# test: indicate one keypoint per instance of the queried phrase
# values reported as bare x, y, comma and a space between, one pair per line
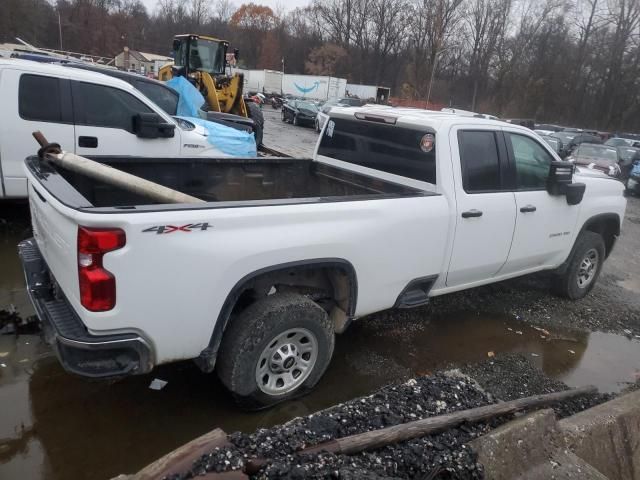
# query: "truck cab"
88, 113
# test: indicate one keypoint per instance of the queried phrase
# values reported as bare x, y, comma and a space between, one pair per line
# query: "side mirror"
151, 125
560, 175
236, 53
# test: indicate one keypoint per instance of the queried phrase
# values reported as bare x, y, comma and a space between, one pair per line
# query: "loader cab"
197, 53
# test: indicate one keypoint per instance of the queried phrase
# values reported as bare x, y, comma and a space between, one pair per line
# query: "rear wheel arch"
300, 276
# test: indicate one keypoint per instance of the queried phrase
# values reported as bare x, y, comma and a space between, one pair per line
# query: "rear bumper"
79, 352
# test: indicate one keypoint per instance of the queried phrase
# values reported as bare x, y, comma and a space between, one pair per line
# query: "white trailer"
366, 92
315, 87
272, 82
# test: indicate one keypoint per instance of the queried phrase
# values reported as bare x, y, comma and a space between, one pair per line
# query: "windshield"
204, 55
564, 136
307, 106
589, 150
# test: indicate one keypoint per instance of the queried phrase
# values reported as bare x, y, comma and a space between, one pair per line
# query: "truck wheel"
275, 350
255, 114
584, 267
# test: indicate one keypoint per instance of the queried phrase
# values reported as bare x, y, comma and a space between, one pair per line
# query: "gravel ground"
442, 456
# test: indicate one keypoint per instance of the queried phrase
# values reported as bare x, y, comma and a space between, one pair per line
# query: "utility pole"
282, 79
60, 29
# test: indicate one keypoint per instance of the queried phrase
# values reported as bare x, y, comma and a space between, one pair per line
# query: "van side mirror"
151, 125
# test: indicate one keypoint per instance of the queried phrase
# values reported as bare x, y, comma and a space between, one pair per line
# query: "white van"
87, 113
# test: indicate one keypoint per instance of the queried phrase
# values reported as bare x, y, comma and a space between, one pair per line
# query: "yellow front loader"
203, 60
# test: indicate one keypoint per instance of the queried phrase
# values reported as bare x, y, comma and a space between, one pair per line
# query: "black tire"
284, 116
296, 122
571, 284
251, 337
255, 114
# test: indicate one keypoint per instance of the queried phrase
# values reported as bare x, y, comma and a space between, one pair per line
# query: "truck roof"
419, 117
61, 71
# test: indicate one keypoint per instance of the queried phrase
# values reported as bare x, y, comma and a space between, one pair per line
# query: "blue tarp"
231, 141
228, 140
190, 99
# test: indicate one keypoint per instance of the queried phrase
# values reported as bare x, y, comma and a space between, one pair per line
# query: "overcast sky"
288, 4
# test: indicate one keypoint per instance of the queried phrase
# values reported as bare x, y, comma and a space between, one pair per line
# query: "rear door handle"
88, 142
528, 209
472, 214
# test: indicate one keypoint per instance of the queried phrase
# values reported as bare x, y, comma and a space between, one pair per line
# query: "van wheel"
275, 350
584, 267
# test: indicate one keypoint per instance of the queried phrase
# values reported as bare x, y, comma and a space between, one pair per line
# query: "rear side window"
480, 161
39, 98
388, 148
101, 106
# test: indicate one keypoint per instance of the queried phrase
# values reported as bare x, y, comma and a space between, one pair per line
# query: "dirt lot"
58, 426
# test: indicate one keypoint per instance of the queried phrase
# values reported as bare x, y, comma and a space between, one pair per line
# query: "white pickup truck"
396, 206
89, 113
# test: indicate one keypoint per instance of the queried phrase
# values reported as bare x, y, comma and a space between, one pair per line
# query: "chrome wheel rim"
588, 268
287, 361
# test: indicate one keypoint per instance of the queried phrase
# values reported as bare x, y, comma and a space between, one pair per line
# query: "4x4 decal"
190, 227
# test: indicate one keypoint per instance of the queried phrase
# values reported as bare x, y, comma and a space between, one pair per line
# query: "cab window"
480, 161
532, 162
100, 106
39, 98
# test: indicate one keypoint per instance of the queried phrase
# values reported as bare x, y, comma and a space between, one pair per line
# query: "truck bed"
220, 181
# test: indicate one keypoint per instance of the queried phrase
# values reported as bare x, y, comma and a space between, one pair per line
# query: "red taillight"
97, 285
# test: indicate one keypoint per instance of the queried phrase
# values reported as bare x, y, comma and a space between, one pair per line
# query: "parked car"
628, 157
565, 138
618, 142
323, 112
88, 113
553, 142
525, 122
299, 112
547, 127
597, 157
583, 138
394, 208
633, 182
622, 142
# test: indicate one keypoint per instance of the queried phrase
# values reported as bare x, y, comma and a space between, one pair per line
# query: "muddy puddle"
58, 426
54, 425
